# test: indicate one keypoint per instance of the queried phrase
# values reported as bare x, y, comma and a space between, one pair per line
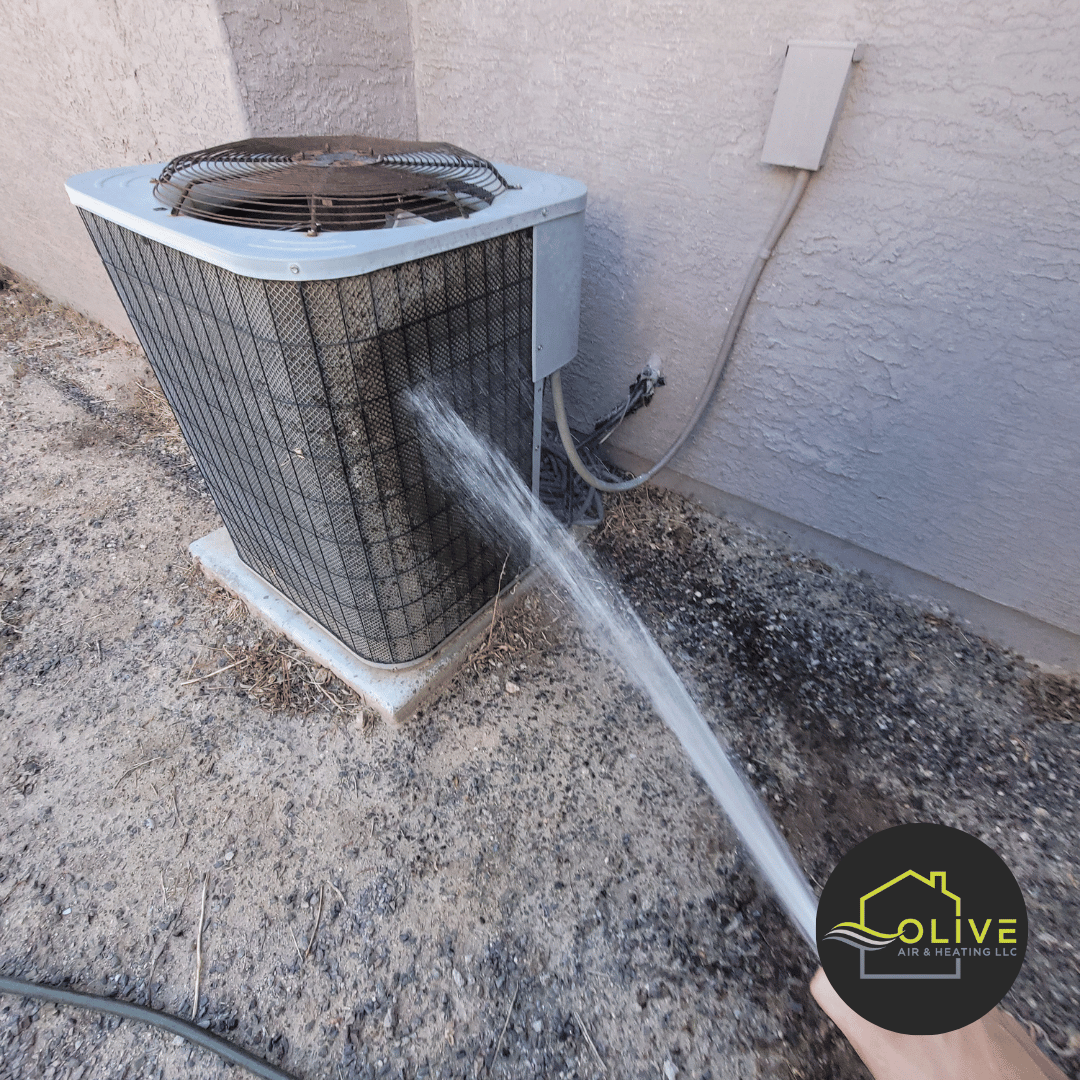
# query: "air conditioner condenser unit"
289, 294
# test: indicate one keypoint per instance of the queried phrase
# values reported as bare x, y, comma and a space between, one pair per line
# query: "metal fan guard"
335, 183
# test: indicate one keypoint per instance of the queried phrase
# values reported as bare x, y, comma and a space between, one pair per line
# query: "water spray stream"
493, 491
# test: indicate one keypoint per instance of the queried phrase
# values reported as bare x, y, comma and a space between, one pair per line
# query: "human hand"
993, 1048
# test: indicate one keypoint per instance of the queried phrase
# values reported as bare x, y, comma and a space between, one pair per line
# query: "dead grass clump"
519, 630
151, 417
36, 323
271, 671
19, 302
629, 511
1053, 698
154, 416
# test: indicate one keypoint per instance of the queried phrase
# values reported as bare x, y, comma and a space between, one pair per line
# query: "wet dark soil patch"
854, 710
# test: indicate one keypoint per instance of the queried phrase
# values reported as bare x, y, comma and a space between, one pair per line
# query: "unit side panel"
558, 253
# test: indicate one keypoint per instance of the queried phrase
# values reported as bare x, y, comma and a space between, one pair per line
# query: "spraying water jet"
489, 485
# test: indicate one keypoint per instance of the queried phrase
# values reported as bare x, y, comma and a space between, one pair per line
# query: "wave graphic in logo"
860, 937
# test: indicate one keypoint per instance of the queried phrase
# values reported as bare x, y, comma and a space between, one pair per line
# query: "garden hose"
126, 1010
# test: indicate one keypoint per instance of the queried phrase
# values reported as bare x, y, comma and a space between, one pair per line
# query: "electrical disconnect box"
808, 102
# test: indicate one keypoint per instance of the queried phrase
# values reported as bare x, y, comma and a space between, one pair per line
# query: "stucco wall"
334, 67
906, 378
116, 82
90, 85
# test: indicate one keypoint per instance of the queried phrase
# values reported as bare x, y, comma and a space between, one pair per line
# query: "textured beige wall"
114, 82
333, 67
906, 379
94, 84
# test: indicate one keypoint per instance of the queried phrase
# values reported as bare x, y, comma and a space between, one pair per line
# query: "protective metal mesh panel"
292, 397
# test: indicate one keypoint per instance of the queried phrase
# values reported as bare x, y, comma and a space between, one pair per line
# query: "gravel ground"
527, 879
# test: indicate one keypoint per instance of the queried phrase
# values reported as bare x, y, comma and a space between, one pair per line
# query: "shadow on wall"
610, 288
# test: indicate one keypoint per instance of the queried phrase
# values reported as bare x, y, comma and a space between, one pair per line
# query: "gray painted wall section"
89, 85
906, 379
334, 67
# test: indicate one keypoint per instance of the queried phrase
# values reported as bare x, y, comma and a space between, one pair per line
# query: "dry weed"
270, 670
153, 416
1051, 697
519, 630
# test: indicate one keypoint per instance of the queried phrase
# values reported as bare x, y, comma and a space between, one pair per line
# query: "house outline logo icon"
921, 928
860, 935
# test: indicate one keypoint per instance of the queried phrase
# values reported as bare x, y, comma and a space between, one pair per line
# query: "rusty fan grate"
328, 184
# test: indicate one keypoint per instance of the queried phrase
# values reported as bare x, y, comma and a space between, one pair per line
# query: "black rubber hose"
124, 1009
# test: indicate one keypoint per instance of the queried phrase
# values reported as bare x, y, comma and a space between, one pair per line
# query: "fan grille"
335, 183
293, 399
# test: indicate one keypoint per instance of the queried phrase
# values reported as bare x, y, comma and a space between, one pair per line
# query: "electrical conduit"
802, 178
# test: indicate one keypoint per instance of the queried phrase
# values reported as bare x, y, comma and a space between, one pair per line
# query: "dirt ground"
527, 879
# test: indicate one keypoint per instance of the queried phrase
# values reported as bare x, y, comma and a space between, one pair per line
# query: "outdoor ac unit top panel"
125, 196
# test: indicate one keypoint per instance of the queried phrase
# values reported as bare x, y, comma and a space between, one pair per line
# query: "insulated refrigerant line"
802, 178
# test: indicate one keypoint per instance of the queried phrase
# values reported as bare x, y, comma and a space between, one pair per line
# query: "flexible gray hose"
192, 1032
802, 178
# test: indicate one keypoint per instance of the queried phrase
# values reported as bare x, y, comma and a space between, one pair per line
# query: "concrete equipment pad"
395, 692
